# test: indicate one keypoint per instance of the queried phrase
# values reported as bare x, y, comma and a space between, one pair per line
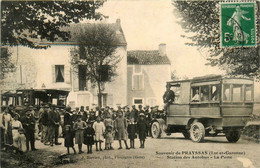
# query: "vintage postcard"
147, 83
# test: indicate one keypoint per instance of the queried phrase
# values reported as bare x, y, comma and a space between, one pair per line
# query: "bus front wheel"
156, 130
197, 132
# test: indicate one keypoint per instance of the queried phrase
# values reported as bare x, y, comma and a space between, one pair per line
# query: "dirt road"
172, 151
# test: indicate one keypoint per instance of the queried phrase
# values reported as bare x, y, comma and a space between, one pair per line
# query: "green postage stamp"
237, 24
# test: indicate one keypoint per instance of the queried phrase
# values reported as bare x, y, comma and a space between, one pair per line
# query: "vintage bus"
34, 97
207, 106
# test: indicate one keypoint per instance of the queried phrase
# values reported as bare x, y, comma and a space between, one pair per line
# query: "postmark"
237, 24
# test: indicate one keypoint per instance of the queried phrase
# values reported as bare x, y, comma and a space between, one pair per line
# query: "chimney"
162, 49
118, 22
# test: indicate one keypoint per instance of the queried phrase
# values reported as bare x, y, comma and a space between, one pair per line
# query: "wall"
155, 78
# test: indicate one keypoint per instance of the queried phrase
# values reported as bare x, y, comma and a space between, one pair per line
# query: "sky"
147, 23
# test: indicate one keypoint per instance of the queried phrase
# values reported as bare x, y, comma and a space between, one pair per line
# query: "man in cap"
133, 114
44, 124
168, 96
57, 121
140, 109
84, 113
51, 124
67, 117
28, 122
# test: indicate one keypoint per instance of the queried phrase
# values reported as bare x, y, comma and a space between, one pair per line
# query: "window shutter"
135, 82
67, 74
53, 74
110, 100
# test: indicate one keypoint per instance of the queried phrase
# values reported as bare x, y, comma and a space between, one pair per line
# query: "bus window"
55, 101
214, 95
248, 92
10, 101
37, 101
237, 93
226, 95
204, 93
19, 100
195, 94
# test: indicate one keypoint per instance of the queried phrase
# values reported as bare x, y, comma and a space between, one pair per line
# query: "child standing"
79, 127
121, 129
131, 129
109, 137
89, 133
108, 122
68, 138
99, 128
142, 129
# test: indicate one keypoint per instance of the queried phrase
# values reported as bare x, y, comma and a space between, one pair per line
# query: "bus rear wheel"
197, 132
233, 135
156, 130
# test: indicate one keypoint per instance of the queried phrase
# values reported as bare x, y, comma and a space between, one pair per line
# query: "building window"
137, 78
138, 101
59, 73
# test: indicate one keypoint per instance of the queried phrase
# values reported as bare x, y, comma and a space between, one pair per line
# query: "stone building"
147, 74
141, 75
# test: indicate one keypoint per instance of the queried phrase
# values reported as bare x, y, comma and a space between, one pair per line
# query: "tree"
23, 22
96, 51
6, 65
202, 19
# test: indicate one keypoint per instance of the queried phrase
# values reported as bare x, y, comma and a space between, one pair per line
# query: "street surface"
169, 151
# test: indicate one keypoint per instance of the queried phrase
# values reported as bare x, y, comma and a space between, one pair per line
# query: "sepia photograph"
130, 83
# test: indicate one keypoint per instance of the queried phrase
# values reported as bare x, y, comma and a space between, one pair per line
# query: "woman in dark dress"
68, 137
142, 129
89, 133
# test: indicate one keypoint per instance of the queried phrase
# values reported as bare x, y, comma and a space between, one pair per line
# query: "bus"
207, 106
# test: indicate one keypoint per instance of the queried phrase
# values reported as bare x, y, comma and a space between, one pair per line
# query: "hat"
16, 114
109, 126
68, 109
46, 105
141, 114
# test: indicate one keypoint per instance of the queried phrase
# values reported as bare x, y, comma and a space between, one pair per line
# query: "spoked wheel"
197, 132
156, 130
233, 135
186, 134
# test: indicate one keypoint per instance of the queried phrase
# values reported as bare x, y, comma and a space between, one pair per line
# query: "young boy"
142, 129
89, 133
131, 129
109, 137
79, 127
99, 128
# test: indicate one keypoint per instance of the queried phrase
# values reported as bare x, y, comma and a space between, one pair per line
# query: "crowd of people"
87, 126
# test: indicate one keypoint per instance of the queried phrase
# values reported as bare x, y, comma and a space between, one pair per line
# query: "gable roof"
146, 57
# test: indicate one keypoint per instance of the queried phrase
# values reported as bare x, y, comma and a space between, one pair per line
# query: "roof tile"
146, 57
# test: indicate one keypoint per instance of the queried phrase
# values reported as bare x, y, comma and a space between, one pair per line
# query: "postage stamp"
237, 24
